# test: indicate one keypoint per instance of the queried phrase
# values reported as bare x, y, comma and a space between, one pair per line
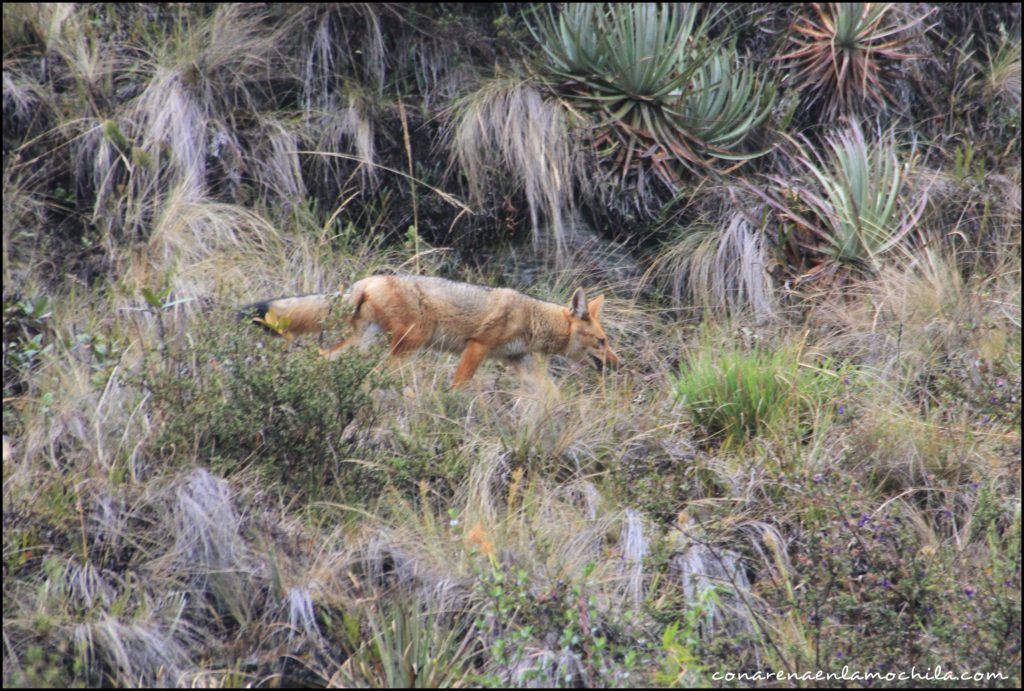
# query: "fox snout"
610, 360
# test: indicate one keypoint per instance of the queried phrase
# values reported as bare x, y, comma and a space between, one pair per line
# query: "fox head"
587, 340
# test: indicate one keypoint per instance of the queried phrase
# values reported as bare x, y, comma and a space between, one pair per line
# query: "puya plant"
844, 55
853, 206
666, 97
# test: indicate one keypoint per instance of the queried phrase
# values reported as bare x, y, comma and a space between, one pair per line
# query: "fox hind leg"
362, 334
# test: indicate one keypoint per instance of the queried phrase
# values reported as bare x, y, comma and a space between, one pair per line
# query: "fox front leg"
472, 356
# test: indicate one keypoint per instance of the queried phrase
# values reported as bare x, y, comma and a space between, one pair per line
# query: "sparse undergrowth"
808, 461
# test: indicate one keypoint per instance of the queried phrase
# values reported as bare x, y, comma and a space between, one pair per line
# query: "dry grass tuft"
721, 268
202, 245
507, 125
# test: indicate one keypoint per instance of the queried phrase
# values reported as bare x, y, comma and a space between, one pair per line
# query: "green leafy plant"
27, 336
844, 53
681, 666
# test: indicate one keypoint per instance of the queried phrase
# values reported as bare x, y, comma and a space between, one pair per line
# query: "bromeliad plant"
843, 54
662, 91
854, 207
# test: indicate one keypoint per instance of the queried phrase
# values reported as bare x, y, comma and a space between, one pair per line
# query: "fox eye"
600, 342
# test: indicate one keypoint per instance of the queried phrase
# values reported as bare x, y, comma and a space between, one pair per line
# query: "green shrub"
233, 393
734, 395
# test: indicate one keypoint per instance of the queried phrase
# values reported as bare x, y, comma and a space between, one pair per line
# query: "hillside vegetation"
806, 223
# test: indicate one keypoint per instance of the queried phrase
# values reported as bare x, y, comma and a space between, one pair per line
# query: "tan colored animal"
291, 316
476, 321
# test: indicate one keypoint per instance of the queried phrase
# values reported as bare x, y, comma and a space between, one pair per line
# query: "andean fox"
474, 321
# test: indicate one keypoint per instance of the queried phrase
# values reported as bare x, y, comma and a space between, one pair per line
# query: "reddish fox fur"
476, 321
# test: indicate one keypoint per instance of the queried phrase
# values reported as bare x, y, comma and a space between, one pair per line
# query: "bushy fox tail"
290, 316
355, 296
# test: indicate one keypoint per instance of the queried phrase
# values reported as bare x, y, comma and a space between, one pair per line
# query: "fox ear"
579, 305
595, 306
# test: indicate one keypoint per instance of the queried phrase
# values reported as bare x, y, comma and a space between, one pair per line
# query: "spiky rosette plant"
853, 207
666, 96
844, 54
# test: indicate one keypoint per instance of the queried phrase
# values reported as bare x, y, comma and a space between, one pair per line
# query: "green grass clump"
735, 395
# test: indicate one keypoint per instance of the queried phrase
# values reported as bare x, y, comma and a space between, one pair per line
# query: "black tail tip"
256, 309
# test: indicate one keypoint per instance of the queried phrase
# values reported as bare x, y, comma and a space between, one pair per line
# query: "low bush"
234, 394
879, 593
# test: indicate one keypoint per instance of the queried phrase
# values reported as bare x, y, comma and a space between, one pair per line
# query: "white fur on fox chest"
517, 347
